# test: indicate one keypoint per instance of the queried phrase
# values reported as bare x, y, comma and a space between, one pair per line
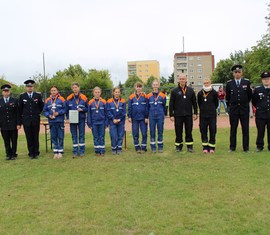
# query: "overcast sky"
105, 34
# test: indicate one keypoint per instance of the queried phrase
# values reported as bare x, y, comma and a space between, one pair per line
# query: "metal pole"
44, 76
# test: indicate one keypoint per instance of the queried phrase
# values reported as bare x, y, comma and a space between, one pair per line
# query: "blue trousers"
98, 131
159, 125
57, 131
117, 132
136, 126
78, 130
224, 104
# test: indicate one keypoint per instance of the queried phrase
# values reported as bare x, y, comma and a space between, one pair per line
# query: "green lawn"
169, 193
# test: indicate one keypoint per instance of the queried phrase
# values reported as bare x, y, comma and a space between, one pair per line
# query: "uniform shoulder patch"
70, 97
91, 101
102, 100
131, 96
61, 98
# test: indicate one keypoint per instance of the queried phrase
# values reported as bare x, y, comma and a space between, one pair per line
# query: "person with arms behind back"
97, 121
30, 107
261, 101
182, 105
238, 96
208, 103
116, 114
9, 122
138, 116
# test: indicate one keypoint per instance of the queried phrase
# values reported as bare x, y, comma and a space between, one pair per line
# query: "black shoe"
231, 150
190, 150
246, 151
8, 158
259, 149
178, 149
13, 158
32, 157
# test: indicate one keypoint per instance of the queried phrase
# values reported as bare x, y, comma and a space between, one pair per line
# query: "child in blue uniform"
116, 114
55, 109
96, 120
138, 116
77, 101
157, 110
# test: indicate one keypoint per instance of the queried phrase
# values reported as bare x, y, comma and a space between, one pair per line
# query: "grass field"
169, 193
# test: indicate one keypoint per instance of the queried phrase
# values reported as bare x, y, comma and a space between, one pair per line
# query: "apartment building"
196, 65
144, 69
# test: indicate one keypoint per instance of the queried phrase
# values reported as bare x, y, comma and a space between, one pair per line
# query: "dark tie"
6, 100
30, 96
238, 83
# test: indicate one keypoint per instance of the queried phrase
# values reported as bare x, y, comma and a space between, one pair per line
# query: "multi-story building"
196, 65
144, 69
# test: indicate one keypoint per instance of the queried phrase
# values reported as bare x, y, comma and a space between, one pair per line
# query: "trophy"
53, 110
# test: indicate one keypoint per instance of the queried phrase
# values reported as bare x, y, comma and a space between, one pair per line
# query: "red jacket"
221, 95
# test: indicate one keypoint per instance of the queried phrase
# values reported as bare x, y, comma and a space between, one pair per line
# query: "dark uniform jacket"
261, 100
238, 98
30, 109
208, 108
9, 114
180, 106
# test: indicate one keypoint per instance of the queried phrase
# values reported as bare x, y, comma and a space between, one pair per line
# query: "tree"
171, 78
150, 81
258, 60
87, 79
222, 72
130, 82
163, 80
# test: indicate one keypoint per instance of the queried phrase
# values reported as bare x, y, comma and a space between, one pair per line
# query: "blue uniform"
73, 103
57, 127
157, 110
116, 109
138, 112
96, 119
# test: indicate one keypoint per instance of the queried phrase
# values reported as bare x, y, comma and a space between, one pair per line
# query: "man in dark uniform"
9, 119
238, 97
30, 107
261, 100
182, 100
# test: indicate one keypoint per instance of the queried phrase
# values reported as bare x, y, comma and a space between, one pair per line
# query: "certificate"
73, 116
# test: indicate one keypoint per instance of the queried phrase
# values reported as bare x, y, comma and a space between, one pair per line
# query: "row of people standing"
102, 114
141, 108
238, 96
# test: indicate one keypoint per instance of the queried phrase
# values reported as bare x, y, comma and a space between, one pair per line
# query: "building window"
140, 71
191, 58
191, 70
191, 65
199, 64
200, 76
199, 70
198, 58
146, 66
200, 83
140, 76
146, 76
191, 77
181, 58
140, 65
